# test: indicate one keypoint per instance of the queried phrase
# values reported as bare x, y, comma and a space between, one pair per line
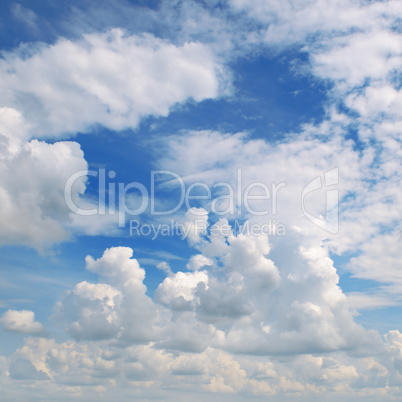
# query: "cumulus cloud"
240, 302
37, 203
198, 261
22, 322
91, 311
117, 307
178, 289
33, 176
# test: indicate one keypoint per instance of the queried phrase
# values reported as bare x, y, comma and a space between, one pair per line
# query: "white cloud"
165, 267
95, 224
311, 21
12, 127
195, 224
91, 311
22, 322
33, 175
230, 305
347, 57
380, 260
198, 261
111, 79
285, 168
178, 290
117, 307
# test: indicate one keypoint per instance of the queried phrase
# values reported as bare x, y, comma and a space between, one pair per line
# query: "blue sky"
242, 161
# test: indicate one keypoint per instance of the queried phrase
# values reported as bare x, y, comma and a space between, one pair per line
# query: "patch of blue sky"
33, 281
271, 100
46, 21
381, 318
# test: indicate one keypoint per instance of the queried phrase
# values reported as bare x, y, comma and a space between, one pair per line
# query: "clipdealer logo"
223, 199
329, 223
234, 199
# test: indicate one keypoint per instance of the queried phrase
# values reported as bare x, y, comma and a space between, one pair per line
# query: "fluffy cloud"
234, 300
91, 311
33, 176
33, 192
111, 79
198, 261
178, 289
22, 322
118, 309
